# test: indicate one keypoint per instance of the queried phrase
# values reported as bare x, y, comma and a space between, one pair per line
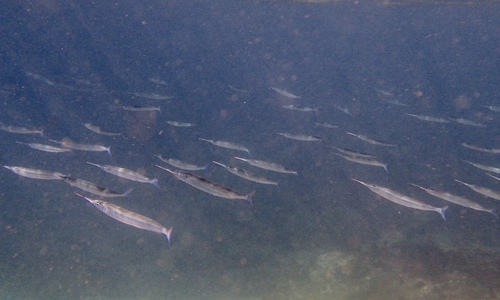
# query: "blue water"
317, 235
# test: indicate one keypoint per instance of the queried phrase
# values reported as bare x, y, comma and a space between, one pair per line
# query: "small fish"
459, 200
99, 130
482, 190
301, 137
285, 93
180, 124
209, 187
355, 153
267, 165
364, 160
371, 140
402, 199
299, 108
93, 188
69, 144
180, 164
152, 96
45, 148
429, 118
228, 145
129, 217
493, 108
394, 102
325, 125
492, 176
467, 122
41, 78
157, 81
344, 109
246, 174
20, 130
141, 108
477, 148
126, 173
484, 167
35, 173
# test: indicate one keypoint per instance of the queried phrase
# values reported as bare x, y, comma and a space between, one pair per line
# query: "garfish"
69, 144
20, 130
371, 140
402, 199
285, 93
429, 118
209, 187
180, 164
364, 160
180, 124
141, 108
354, 153
344, 109
93, 188
484, 167
492, 176
46, 148
467, 122
301, 137
228, 145
267, 165
325, 125
129, 217
462, 201
125, 173
481, 190
246, 174
477, 148
152, 96
35, 173
493, 108
299, 108
99, 130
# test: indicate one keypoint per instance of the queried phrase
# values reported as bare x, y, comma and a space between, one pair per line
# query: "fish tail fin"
494, 212
127, 193
441, 211
249, 197
109, 150
168, 232
155, 183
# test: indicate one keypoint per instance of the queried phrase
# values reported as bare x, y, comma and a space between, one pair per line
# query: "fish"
493, 108
429, 118
129, 217
126, 173
246, 174
325, 125
482, 190
492, 176
301, 137
20, 130
344, 109
93, 188
402, 199
267, 165
477, 148
238, 90
157, 81
364, 160
45, 148
69, 144
40, 77
354, 153
484, 167
180, 124
209, 187
299, 108
35, 173
152, 96
99, 130
467, 122
141, 108
228, 145
180, 164
371, 140
285, 93
459, 200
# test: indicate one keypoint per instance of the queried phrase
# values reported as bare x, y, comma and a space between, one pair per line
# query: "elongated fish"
484, 167
467, 122
180, 164
141, 108
99, 130
246, 174
364, 160
152, 96
402, 199
301, 137
462, 201
481, 190
20, 130
354, 153
477, 148
371, 140
493, 108
126, 173
300, 108
180, 124
228, 145
93, 188
429, 118
45, 148
285, 93
209, 187
325, 125
129, 217
35, 173
69, 144
267, 165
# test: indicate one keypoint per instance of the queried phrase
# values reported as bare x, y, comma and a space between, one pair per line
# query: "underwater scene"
249, 149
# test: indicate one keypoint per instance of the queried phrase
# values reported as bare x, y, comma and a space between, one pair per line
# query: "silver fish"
93, 188
99, 130
129, 217
344, 109
228, 145
267, 165
246, 174
477, 148
299, 108
35, 173
45, 148
301, 137
467, 122
209, 187
285, 93
429, 118
69, 144
492, 176
180, 124
180, 164
152, 96
484, 167
325, 125
402, 199
371, 140
364, 160
20, 130
126, 173
354, 153
482, 190
493, 108
141, 108
457, 200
